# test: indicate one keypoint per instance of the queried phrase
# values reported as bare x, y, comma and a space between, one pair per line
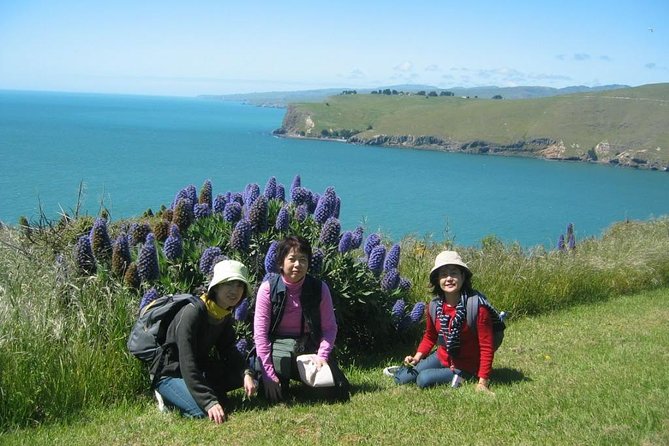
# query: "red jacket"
476, 348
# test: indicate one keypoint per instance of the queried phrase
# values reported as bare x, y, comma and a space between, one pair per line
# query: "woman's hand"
320, 362
272, 390
484, 386
216, 414
413, 360
249, 386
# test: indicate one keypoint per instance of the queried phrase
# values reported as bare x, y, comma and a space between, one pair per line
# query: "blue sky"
196, 47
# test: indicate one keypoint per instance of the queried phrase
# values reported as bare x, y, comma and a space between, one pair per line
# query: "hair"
466, 285
300, 244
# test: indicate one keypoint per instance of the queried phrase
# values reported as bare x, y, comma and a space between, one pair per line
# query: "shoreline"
551, 151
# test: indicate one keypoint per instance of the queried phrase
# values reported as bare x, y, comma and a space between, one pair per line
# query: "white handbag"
312, 376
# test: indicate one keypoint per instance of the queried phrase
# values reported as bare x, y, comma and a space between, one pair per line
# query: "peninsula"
623, 127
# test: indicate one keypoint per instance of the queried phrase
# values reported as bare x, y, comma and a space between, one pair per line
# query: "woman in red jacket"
463, 352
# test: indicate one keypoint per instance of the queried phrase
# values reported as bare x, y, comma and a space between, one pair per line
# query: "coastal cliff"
622, 128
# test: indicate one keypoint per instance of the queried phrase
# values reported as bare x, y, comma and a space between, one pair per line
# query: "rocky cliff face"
300, 124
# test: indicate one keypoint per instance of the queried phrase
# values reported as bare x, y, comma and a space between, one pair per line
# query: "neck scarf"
451, 331
213, 309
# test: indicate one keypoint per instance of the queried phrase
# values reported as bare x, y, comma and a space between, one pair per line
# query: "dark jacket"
189, 342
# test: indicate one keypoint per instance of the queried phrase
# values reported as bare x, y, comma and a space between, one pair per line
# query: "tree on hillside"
421, 93
433, 94
446, 93
497, 96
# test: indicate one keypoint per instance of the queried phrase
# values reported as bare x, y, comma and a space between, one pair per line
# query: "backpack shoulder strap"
472, 310
277, 296
432, 309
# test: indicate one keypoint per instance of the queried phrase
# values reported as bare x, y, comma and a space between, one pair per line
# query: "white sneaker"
390, 371
161, 404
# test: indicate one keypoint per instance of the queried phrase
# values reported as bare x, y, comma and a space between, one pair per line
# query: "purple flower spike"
219, 204
398, 310
147, 262
280, 192
417, 312
316, 262
270, 188
100, 241
181, 195
173, 247
270, 258
232, 212
236, 196
207, 259
390, 280
560, 243
571, 242
138, 233
251, 194
356, 239
330, 232
375, 261
326, 206
371, 242
201, 210
241, 236
206, 194
570, 229
150, 295
242, 310
300, 195
191, 193
242, 346
405, 284
120, 255
282, 220
258, 215
393, 258
345, 242
337, 207
297, 182
183, 214
301, 213
83, 255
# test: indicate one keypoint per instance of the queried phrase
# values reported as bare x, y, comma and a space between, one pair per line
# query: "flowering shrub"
197, 232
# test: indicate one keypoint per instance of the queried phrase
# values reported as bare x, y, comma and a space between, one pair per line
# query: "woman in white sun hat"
193, 380
462, 352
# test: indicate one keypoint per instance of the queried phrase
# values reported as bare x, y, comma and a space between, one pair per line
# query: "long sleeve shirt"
190, 338
476, 346
290, 324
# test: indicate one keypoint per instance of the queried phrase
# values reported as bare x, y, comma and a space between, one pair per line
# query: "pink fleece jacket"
290, 323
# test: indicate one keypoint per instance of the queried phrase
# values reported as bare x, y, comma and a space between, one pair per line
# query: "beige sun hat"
449, 258
229, 270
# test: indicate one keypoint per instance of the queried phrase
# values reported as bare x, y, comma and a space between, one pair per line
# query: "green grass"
632, 119
591, 374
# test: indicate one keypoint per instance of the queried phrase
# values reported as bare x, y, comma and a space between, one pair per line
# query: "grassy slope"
592, 374
632, 118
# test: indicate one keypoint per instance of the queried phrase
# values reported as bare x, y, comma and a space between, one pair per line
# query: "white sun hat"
449, 258
229, 270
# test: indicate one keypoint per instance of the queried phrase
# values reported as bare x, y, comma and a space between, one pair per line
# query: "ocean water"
131, 153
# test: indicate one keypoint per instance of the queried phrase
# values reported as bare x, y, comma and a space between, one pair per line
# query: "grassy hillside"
631, 122
583, 376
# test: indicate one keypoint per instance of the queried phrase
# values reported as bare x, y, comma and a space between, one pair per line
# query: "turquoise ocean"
135, 152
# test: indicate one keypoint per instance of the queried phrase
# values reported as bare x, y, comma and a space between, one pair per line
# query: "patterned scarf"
452, 333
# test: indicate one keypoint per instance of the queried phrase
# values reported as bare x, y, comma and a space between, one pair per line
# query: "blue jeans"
176, 394
428, 372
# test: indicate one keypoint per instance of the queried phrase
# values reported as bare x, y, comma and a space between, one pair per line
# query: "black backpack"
473, 303
148, 334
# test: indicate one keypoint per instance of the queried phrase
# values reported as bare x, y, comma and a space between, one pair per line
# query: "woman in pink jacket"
294, 315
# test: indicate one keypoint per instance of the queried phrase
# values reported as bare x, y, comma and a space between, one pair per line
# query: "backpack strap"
472, 311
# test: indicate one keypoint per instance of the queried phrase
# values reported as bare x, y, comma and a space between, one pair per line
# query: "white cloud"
432, 67
404, 67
